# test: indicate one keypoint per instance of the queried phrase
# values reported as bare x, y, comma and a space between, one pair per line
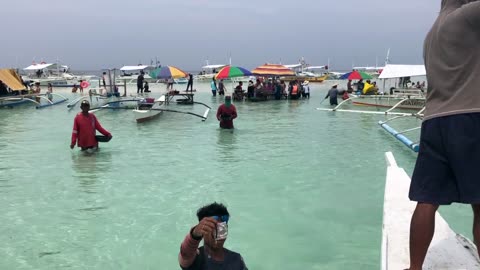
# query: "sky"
97, 34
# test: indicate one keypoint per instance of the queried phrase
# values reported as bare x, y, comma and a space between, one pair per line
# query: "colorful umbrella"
355, 75
231, 72
167, 72
273, 70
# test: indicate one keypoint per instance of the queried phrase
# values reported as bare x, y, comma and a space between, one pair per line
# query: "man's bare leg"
422, 228
476, 226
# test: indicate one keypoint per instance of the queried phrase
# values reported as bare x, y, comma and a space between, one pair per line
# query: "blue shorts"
447, 165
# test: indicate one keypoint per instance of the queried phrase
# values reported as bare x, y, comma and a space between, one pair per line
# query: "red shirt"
84, 129
224, 110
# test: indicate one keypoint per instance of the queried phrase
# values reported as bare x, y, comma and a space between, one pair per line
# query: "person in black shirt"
140, 80
190, 82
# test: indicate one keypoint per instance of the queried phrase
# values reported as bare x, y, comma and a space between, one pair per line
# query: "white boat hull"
142, 115
448, 249
145, 115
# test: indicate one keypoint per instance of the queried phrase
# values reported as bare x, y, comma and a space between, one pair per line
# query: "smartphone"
222, 231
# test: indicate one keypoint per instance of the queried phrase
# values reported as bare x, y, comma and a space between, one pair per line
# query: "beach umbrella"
167, 72
232, 72
273, 70
355, 75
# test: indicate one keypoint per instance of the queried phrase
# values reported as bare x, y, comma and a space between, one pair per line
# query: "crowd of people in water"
264, 89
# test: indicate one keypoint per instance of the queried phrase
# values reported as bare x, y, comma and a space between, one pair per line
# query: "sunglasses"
222, 218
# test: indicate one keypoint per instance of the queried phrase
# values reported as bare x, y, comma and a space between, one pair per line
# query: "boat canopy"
315, 67
43, 66
134, 68
399, 71
213, 66
293, 66
369, 68
11, 79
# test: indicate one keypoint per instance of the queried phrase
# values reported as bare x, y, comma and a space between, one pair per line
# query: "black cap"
85, 102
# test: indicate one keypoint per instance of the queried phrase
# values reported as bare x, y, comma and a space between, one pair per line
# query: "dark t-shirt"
232, 261
140, 80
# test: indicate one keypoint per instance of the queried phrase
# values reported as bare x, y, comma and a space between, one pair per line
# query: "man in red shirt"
84, 129
226, 113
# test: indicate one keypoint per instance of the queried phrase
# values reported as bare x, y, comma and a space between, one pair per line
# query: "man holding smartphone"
213, 229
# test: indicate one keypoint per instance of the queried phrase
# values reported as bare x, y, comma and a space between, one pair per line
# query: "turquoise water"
304, 187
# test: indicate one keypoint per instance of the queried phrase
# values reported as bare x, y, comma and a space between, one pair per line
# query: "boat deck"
448, 249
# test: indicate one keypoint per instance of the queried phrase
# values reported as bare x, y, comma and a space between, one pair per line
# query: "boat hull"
145, 115
386, 102
302, 78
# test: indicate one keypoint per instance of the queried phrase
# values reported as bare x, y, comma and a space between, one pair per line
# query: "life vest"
367, 87
295, 90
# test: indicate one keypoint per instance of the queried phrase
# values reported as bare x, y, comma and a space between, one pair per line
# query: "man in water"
213, 86
84, 128
221, 88
190, 82
213, 229
306, 89
446, 169
140, 80
333, 94
226, 113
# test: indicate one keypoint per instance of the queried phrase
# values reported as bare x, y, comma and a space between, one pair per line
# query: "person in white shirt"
306, 89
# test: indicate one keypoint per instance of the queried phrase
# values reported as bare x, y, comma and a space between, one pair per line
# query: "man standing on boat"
213, 229
140, 80
190, 82
85, 126
226, 113
447, 165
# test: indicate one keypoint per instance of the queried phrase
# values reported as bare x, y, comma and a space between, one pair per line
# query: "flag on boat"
167, 72
232, 72
355, 75
273, 70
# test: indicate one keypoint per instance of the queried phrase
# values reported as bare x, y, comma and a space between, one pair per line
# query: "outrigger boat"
399, 135
107, 97
408, 99
448, 250
150, 108
12, 80
208, 72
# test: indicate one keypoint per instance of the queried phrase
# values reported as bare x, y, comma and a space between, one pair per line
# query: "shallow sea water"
304, 187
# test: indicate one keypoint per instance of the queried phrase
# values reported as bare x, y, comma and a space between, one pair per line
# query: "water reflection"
227, 145
89, 168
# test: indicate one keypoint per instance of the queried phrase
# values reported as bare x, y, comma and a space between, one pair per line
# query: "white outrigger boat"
448, 250
19, 94
208, 72
130, 74
108, 96
53, 73
149, 108
407, 99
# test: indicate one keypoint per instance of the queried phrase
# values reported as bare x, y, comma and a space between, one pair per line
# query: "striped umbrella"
167, 72
231, 72
355, 75
273, 70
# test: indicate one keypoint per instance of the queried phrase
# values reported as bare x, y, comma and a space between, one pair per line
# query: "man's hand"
72, 146
205, 227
